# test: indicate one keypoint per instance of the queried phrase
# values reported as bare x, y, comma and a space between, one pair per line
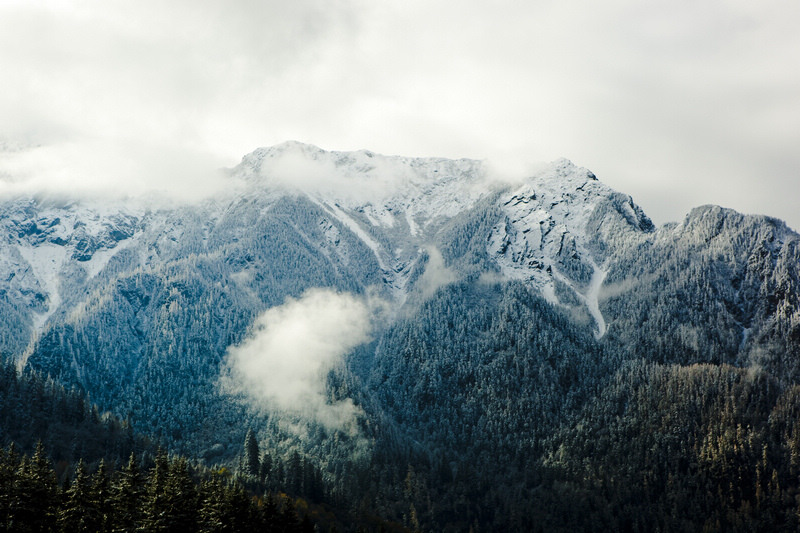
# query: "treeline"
677, 448
37, 414
36, 408
169, 496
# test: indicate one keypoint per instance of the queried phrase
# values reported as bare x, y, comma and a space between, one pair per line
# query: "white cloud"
107, 167
283, 365
677, 103
298, 166
436, 273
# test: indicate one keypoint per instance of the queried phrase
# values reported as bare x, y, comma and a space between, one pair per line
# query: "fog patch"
511, 170
436, 274
284, 363
360, 177
117, 168
614, 290
491, 278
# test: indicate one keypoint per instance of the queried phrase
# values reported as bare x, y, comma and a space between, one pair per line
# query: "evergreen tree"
79, 512
287, 521
37, 494
251, 454
242, 515
101, 489
294, 473
265, 469
226, 507
154, 509
9, 463
213, 506
268, 513
127, 497
180, 498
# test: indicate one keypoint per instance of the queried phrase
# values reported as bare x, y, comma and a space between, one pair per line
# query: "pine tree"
268, 513
37, 493
154, 508
79, 513
288, 521
9, 463
180, 498
294, 473
127, 497
265, 469
213, 506
242, 514
101, 489
251, 454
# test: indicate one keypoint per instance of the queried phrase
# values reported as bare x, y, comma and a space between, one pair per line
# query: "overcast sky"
678, 103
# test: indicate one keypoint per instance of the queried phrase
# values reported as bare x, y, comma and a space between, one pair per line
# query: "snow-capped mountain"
505, 334
131, 303
395, 206
398, 205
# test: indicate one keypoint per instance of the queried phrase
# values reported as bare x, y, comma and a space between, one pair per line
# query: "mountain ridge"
501, 316
555, 231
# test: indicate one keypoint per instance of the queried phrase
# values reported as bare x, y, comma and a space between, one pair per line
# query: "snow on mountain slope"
395, 206
389, 190
543, 235
52, 249
46, 261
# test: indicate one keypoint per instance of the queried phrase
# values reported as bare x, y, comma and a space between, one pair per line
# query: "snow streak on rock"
398, 207
592, 303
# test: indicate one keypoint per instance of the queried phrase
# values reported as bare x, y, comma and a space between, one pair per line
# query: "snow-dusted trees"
251, 460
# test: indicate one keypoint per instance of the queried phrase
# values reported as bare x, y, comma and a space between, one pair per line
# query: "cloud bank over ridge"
678, 104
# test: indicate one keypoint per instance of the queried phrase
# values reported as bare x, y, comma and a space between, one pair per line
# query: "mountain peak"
357, 177
295, 146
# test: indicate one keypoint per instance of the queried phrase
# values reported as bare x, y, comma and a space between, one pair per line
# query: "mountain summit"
446, 329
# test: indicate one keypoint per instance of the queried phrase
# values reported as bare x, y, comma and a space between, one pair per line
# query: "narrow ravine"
592, 302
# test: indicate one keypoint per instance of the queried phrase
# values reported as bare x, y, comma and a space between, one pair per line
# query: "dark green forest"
170, 496
82, 481
487, 398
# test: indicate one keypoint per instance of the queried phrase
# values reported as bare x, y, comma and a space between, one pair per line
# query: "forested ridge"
542, 359
169, 496
95, 473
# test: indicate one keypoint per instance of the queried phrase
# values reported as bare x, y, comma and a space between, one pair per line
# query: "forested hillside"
410, 341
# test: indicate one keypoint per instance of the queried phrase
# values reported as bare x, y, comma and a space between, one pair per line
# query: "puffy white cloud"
283, 365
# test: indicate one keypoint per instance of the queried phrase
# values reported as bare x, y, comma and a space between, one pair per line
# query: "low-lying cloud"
111, 167
283, 365
359, 176
436, 274
653, 99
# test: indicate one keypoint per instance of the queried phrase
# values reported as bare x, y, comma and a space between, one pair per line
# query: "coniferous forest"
167, 497
82, 481
537, 359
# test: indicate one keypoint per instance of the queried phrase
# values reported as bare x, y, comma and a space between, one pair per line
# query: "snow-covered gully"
592, 299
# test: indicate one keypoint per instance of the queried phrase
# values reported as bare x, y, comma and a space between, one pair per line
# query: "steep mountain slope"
394, 207
718, 287
500, 313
